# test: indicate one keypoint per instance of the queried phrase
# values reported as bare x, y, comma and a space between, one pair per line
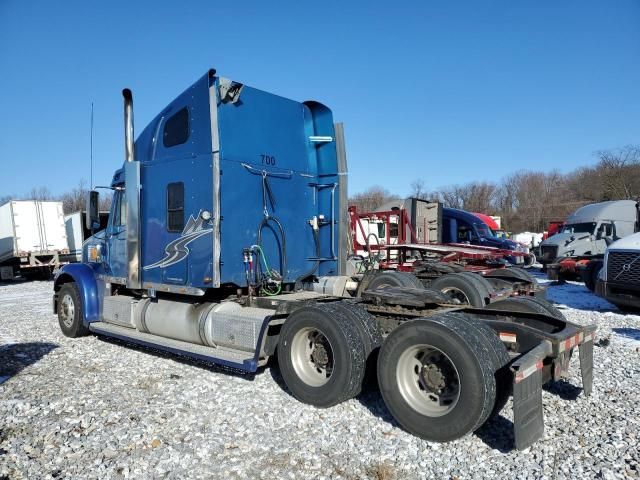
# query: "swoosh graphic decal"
178, 249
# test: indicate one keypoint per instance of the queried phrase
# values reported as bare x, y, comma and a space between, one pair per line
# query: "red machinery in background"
387, 240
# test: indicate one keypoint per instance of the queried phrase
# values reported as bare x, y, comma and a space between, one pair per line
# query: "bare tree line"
529, 200
72, 201
525, 200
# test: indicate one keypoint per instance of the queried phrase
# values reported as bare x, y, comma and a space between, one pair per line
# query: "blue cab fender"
85, 278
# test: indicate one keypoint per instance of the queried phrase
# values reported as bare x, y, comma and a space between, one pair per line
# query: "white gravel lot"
92, 408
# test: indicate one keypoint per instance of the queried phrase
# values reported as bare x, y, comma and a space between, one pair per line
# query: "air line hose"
313, 270
265, 221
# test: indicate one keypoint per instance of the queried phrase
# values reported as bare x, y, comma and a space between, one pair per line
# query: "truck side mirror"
92, 217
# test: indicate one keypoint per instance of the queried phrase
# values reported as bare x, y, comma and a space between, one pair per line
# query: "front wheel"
437, 378
70, 315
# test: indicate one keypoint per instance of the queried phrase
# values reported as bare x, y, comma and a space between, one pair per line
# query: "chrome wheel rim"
67, 311
457, 295
428, 380
312, 356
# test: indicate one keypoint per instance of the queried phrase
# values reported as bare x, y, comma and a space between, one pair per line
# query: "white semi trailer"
77, 233
32, 238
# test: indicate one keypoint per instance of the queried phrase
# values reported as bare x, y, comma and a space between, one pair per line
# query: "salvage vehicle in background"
493, 223
618, 280
33, 239
224, 245
455, 227
467, 274
554, 226
586, 235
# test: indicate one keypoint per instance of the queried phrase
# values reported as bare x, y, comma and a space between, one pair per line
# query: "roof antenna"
91, 152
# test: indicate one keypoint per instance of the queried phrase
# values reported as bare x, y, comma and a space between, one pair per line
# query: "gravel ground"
92, 408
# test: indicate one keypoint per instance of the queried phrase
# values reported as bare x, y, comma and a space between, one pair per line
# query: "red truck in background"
554, 227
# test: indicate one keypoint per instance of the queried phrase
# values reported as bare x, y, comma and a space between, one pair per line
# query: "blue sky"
448, 92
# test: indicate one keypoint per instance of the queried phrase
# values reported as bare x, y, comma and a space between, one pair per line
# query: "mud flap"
528, 419
586, 365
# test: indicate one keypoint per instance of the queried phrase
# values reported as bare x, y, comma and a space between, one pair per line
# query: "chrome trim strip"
163, 287
110, 279
343, 215
215, 165
132, 194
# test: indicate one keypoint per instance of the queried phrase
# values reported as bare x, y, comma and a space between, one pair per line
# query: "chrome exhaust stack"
129, 146
132, 195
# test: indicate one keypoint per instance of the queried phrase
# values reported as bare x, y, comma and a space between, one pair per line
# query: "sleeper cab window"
176, 129
175, 207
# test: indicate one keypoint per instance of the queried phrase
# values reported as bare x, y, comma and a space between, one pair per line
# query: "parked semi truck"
619, 274
586, 235
32, 239
224, 244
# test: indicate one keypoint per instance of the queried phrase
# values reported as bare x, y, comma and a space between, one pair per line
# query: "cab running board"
236, 359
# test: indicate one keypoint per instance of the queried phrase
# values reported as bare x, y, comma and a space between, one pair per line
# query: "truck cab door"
466, 233
605, 235
116, 236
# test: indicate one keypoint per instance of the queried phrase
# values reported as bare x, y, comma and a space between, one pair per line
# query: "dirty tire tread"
372, 339
355, 362
474, 353
370, 327
487, 353
501, 360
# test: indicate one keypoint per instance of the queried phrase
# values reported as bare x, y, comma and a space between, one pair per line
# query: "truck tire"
528, 305
437, 377
70, 315
321, 356
529, 260
395, 279
368, 328
462, 289
590, 274
500, 357
482, 283
371, 336
513, 273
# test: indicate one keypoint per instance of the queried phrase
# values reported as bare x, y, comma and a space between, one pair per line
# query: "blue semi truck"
225, 244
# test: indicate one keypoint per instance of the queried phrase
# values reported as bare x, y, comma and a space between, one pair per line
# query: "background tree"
41, 194
372, 198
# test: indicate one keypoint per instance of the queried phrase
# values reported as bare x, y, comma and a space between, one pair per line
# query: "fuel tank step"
238, 359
